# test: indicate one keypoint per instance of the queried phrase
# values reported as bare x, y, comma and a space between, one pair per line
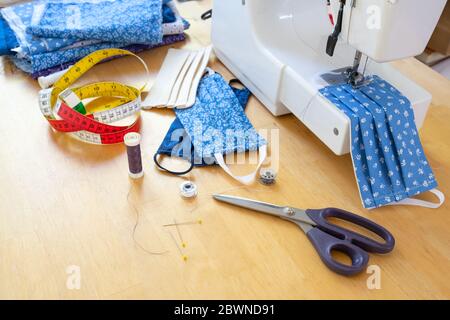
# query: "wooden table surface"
64, 203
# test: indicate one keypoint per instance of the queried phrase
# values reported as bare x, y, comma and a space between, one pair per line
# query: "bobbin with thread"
132, 141
267, 176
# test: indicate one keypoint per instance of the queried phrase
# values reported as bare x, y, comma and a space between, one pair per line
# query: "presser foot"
346, 75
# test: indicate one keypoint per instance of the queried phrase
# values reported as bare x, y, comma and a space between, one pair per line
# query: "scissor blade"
251, 204
295, 215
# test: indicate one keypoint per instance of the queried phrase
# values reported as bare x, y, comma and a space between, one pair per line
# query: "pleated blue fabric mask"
389, 162
217, 125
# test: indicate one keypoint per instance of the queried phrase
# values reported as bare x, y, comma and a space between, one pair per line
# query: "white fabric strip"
422, 203
183, 96
176, 88
160, 92
198, 77
250, 178
15, 23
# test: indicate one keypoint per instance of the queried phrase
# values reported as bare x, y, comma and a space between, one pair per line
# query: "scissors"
325, 236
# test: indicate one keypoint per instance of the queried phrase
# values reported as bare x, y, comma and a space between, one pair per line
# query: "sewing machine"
284, 51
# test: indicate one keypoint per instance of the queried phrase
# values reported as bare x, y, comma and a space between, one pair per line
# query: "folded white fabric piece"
178, 79
159, 94
176, 88
198, 76
187, 83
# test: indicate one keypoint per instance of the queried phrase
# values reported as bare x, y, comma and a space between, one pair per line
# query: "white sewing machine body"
277, 49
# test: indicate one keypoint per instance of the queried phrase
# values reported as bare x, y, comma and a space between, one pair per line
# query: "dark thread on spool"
134, 159
132, 141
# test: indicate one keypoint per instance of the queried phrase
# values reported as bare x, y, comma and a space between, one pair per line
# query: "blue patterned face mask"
215, 126
388, 158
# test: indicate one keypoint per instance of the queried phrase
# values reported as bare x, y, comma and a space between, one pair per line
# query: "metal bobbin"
188, 189
267, 176
133, 142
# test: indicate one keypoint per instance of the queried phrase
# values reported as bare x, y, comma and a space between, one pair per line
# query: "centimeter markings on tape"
94, 128
66, 112
112, 113
123, 111
109, 138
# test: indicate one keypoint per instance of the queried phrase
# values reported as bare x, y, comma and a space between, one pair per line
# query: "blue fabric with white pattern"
216, 123
19, 18
40, 53
8, 40
388, 157
177, 143
42, 61
136, 21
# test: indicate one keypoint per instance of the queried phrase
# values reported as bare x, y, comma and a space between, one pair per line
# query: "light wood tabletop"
68, 208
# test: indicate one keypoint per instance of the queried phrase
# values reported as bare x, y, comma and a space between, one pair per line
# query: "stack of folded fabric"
46, 36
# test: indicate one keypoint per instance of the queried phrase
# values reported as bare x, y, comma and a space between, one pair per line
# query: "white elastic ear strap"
248, 179
422, 203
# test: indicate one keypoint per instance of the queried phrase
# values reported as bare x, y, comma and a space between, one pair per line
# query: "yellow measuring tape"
63, 107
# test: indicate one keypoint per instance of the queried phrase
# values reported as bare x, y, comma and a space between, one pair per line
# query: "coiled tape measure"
64, 109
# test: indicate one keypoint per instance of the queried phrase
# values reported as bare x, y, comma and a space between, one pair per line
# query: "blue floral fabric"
19, 17
388, 157
168, 14
42, 61
58, 60
36, 54
137, 21
177, 24
216, 123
